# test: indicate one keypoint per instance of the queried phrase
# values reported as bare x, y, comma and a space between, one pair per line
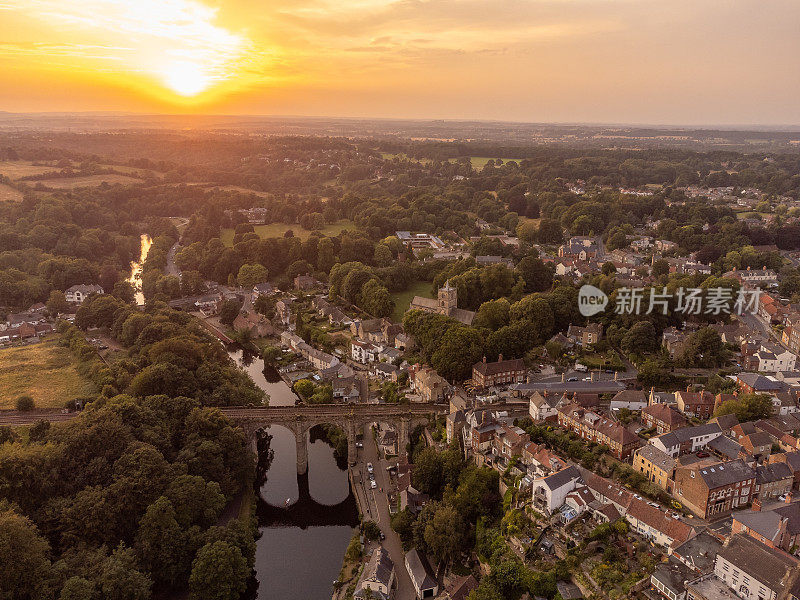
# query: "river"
135, 278
300, 549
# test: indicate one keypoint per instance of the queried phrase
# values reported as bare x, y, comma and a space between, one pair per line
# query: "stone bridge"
351, 418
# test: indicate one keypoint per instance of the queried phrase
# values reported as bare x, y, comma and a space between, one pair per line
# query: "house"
776, 528
585, 336
695, 404
669, 579
686, 439
363, 352
663, 418
792, 460
489, 374
305, 282
283, 312
674, 340
263, 289
754, 383
592, 427
430, 386
568, 590
413, 500
377, 578
419, 240
657, 466
256, 324
753, 570
446, 304
698, 552
422, 576
551, 491
209, 304
754, 277
544, 406
660, 397
78, 293
771, 358
773, 480
459, 588
714, 489
630, 399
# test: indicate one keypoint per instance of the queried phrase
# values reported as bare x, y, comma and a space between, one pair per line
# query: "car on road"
370, 468
359, 445
372, 484
383, 536
570, 379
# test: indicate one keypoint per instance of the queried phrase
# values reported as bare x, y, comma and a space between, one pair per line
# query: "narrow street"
378, 503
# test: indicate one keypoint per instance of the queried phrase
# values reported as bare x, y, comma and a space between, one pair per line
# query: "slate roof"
698, 552
672, 575
420, 570
684, 434
665, 413
656, 457
501, 366
760, 562
725, 446
760, 383
561, 478
721, 474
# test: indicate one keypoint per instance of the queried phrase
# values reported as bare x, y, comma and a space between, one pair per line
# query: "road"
378, 503
171, 268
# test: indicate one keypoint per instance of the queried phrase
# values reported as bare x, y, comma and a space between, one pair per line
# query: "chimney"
756, 504
484, 359
500, 358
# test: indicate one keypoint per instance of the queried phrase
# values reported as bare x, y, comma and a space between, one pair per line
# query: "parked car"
370, 468
372, 484
359, 445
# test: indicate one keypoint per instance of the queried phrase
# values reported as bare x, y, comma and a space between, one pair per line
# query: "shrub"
25, 403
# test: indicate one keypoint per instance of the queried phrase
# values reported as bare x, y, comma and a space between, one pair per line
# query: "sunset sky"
631, 61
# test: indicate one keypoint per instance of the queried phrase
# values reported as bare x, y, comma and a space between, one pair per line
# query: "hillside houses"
592, 427
686, 440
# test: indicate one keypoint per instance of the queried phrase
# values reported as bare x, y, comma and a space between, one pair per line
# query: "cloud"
161, 38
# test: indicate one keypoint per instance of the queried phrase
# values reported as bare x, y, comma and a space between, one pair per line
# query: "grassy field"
45, 371
68, 183
15, 169
278, 229
403, 299
9, 194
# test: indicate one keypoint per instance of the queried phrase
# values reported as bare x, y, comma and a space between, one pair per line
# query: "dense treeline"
123, 502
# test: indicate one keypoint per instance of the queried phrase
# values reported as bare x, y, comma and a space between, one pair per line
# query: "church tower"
448, 298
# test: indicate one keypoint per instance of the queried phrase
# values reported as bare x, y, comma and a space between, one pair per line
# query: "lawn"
68, 183
276, 230
15, 169
44, 371
403, 299
9, 194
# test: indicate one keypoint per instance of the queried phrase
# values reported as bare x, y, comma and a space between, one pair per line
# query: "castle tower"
448, 298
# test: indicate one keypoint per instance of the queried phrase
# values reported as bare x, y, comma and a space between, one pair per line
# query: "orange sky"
631, 61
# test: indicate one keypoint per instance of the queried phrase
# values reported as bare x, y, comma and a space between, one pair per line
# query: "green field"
403, 299
44, 371
278, 229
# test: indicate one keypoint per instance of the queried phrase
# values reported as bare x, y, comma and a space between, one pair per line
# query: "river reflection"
300, 551
135, 278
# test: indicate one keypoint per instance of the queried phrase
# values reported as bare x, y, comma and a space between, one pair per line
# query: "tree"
641, 338
460, 348
383, 255
195, 500
444, 533
251, 274
428, 474
537, 275
704, 348
748, 407
77, 588
25, 403
492, 314
120, 579
161, 543
219, 572
229, 312
371, 530
660, 267
57, 303
304, 388
375, 299
23, 557
550, 232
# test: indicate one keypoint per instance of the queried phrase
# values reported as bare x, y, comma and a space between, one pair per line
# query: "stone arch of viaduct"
350, 418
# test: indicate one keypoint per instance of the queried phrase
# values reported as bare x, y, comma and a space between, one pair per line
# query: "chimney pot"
484, 359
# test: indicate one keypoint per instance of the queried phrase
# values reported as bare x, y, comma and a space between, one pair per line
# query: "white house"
377, 577
773, 358
544, 407
79, 293
551, 492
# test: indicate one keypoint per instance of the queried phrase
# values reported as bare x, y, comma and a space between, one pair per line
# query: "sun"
186, 78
